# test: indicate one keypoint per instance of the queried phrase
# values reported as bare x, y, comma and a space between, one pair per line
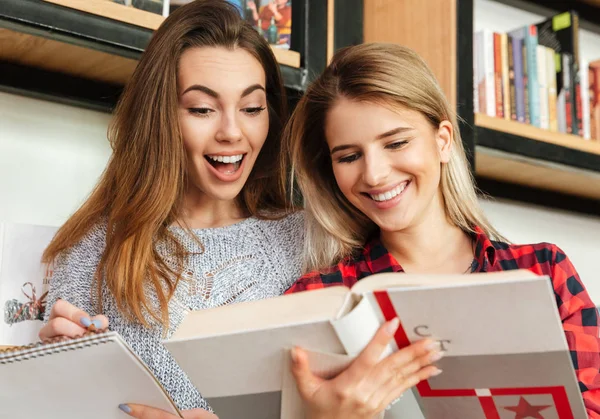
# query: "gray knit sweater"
250, 260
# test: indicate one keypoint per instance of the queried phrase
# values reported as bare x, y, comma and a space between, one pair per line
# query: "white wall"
51, 156
578, 235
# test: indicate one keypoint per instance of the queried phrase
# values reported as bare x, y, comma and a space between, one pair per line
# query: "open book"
86, 377
506, 353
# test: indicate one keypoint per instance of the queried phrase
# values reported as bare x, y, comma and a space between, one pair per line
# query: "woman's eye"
397, 144
254, 110
201, 111
348, 159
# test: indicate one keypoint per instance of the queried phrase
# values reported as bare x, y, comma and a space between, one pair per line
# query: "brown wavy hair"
141, 191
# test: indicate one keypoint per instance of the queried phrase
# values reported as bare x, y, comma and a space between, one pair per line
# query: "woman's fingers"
60, 326
371, 355
391, 391
100, 321
402, 369
70, 312
146, 412
409, 360
68, 320
307, 382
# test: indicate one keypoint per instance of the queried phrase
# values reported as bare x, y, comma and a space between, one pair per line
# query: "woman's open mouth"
226, 165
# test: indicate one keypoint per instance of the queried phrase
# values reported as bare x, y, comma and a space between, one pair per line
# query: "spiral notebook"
86, 377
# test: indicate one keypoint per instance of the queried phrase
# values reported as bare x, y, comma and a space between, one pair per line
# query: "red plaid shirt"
577, 312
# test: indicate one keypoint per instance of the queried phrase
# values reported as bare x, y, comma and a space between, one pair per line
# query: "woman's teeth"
389, 194
226, 159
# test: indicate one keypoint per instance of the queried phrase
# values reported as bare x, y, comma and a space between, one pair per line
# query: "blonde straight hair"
393, 76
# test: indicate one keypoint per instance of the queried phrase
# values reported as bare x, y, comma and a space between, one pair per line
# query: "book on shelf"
504, 74
552, 93
530, 78
271, 18
485, 72
86, 377
512, 98
594, 95
520, 79
585, 100
498, 78
502, 353
561, 33
543, 86
23, 281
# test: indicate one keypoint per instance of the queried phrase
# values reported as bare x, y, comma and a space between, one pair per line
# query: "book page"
302, 307
248, 362
23, 281
356, 328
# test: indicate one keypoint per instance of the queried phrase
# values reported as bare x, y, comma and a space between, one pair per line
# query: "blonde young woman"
379, 160
191, 211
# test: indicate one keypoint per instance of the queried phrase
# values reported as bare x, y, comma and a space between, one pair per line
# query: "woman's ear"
444, 139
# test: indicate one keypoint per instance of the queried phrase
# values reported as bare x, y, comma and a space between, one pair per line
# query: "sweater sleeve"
73, 273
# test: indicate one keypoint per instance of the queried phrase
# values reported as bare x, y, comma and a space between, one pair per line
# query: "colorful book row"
534, 75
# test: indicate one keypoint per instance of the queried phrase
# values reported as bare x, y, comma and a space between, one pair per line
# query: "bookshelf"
509, 159
82, 52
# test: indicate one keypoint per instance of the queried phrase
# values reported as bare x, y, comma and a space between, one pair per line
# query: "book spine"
594, 82
505, 82
577, 102
480, 77
551, 80
498, 91
526, 96
532, 73
543, 87
475, 73
511, 79
575, 74
519, 78
568, 93
490, 90
585, 100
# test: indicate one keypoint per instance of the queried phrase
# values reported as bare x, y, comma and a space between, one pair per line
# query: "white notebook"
86, 377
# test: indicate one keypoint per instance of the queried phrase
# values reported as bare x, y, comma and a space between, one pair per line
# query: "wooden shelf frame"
78, 43
150, 21
534, 133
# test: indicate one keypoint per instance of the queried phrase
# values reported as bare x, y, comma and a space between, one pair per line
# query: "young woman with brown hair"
378, 157
191, 211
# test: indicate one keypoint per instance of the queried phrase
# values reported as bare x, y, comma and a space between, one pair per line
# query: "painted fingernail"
392, 326
436, 372
85, 322
125, 408
436, 356
97, 323
434, 346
